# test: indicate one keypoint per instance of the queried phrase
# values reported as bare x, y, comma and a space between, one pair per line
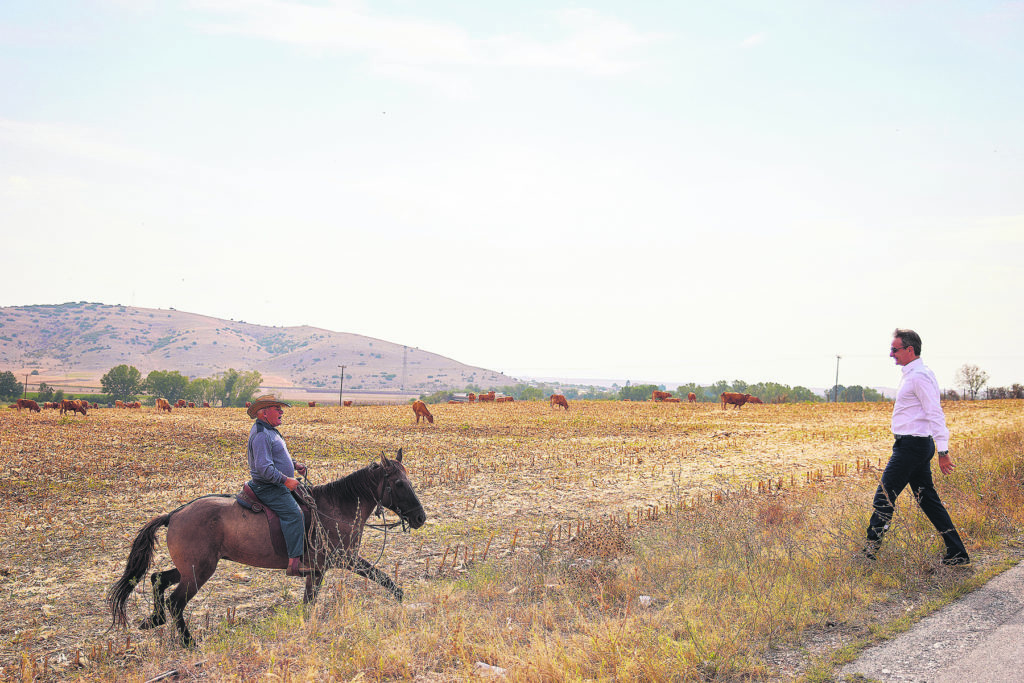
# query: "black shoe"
955, 560
869, 551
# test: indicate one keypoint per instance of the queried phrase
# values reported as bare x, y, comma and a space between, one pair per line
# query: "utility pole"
341, 387
24, 389
835, 390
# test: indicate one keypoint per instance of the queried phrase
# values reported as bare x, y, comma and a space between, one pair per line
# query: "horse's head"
397, 493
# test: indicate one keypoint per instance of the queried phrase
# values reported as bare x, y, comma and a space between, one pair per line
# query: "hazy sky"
667, 191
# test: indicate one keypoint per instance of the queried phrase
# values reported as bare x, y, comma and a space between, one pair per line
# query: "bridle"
381, 511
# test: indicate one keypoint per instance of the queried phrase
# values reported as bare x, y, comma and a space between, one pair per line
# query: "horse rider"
273, 474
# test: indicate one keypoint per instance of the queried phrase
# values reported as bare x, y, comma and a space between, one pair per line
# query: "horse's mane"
360, 485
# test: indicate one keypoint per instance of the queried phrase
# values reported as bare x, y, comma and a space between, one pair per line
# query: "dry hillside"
84, 340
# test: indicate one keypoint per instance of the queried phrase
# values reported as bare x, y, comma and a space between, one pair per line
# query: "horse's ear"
384, 460
399, 458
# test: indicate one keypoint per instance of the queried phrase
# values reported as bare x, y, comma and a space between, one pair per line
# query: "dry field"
495, 480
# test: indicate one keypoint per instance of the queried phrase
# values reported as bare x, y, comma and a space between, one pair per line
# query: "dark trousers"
279, 499
911, 464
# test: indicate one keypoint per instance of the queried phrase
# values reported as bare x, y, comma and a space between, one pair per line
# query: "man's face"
272, 415
900, 353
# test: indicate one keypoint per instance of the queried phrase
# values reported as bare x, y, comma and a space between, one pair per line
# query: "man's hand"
300, 468
291, 483
946, 464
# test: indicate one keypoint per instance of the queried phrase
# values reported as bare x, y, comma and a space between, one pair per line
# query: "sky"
644, 191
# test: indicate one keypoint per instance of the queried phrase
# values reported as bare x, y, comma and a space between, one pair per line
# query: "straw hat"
264, 401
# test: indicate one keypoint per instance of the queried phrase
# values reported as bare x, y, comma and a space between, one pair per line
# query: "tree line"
230, 388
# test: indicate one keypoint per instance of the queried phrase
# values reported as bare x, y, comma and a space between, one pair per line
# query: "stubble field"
495, 480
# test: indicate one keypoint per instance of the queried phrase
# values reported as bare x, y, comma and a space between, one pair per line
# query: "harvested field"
494, 479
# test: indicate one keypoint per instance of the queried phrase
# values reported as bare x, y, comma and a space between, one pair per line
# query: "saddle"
251, 502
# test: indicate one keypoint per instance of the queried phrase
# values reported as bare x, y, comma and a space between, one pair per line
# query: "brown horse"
212, 528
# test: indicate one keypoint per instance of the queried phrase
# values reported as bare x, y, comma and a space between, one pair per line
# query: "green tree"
971, 378
238, 387
202, 389
637, 392
10, 387
170, 384
45, 392
122, 383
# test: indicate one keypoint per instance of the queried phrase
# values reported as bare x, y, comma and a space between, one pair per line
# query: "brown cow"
312, 404
206, 404
346, 403
163, 404
72, 406
734, 398
50, 404
489, 396
419, 408
471, 396
754, 399
133, 404
691, 397
180, 403
120, 404
660, 395
671, 399
559, 400
28, 403
504, 399
191, 404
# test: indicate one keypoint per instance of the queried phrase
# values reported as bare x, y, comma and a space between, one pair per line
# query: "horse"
215, 527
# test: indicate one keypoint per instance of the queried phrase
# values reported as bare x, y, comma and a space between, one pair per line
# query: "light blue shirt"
269, 460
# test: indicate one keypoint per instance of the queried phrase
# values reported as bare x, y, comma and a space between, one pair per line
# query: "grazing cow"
120, 404
660, 395
50, 404
28, 403
346, 403
504, 399
471, 397
180, 403
72, 406
419, 408
206, 404
12, 405
163, 404
734, 398
312, 404
133, 404
559, 400
191, 404
489, 396
691, 397
754, 399
671, 399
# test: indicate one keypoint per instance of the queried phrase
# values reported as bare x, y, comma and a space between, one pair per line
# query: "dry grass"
617, 541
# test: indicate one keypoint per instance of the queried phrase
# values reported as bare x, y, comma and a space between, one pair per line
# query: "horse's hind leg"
188, 586
313, 581
161, 581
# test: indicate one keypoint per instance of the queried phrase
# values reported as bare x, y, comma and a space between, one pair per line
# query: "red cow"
754, 399
734, 398
559, 400
163, 404
28, 403
134, 404
191, 404
691, 397
206, 404
471, 396
489, 396
312, 404
72, 406
660, 395
419, 408
504, 399
180, 403
346, 403
671, 399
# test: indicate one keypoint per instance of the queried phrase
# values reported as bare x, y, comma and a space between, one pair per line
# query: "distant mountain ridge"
87, 339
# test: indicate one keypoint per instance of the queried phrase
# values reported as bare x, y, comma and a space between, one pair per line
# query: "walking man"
919, 429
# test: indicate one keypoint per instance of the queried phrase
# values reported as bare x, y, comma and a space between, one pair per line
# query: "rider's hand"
291, 483
300, 468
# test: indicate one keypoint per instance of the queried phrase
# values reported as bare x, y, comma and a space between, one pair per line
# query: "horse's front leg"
313, 581
364, 568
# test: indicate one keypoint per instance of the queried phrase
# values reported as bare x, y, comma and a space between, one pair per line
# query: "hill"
84, 340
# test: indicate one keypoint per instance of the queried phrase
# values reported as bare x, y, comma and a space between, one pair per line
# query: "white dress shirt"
917, 411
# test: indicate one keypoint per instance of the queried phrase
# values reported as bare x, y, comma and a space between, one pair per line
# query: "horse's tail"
138, 564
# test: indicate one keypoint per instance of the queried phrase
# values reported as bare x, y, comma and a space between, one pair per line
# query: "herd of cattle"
419, 408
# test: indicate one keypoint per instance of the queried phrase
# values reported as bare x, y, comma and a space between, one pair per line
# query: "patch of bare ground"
496, 481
